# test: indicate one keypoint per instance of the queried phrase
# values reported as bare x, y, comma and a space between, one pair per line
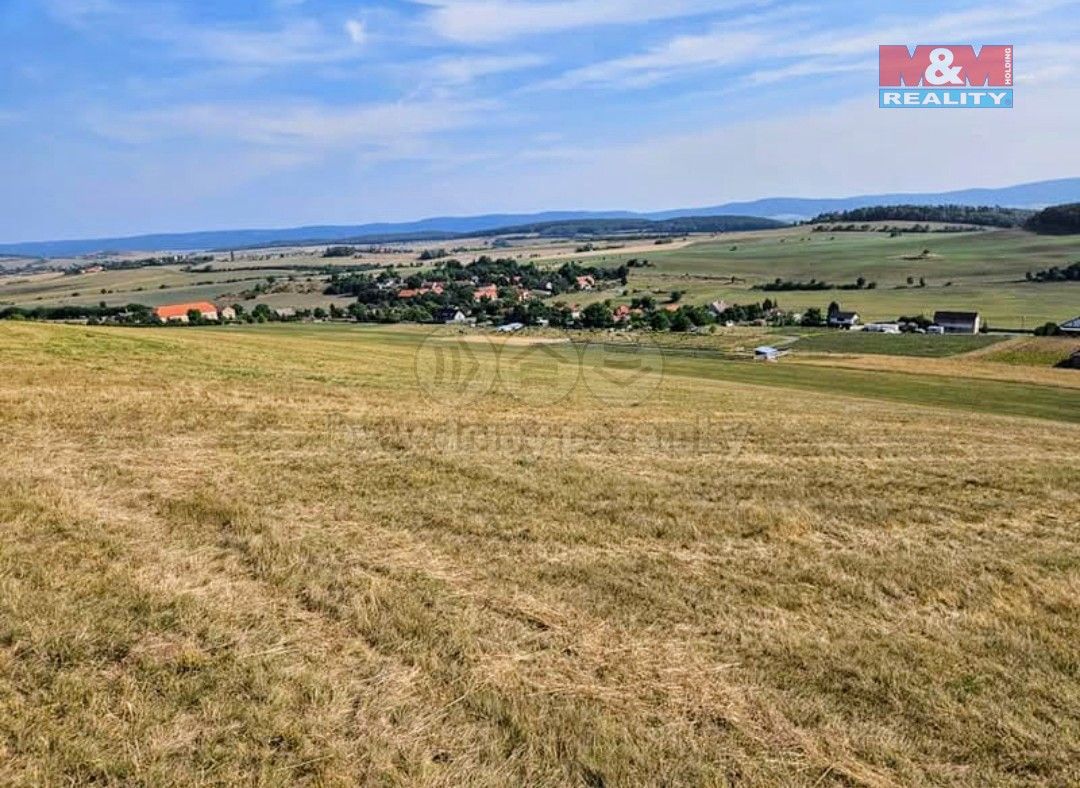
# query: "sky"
133, 116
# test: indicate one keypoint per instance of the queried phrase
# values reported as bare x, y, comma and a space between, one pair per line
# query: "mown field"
299, 555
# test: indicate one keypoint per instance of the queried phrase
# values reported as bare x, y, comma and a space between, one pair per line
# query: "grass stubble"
264, 557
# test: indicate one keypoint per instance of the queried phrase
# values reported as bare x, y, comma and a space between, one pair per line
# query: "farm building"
227, 313
178, 313
882, 328
958, 322
843, 319
490, 292
767, 353
1071, 326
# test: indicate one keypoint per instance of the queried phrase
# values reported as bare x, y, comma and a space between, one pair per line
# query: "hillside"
1031, 195
1027, 196
982, 216
600, 227
1057, 220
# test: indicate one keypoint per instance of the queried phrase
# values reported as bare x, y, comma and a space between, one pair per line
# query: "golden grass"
263, 557
1031, 351
977, 366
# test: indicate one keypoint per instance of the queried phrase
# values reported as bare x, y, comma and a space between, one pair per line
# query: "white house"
1071, 326
450, 315
843, 319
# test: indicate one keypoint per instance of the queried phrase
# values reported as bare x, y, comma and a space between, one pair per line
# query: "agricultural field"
1033, 351
341, 555
865, 342
980, 271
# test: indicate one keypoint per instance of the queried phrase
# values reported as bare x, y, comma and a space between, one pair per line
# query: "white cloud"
784, 35
356, 31
871, 149
298, 42
293, 125
675, 56
77, 12
486, 21
293, 40
462, 70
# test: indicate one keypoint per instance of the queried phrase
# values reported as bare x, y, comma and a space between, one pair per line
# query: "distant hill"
983, 216
600, 227
1057, 220
1030, 196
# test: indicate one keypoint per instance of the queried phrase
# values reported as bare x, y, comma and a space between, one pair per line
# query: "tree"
597, 316
660, 321
319, 313
194, 316
833, 309
680, 322
1056, 220
812, 316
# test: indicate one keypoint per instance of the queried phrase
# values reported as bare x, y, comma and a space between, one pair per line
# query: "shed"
958, 322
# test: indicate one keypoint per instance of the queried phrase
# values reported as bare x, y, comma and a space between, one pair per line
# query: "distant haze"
1029, 195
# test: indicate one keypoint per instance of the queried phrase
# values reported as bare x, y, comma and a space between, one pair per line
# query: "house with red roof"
178, 313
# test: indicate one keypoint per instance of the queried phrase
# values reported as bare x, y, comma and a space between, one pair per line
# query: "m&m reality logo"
946, 76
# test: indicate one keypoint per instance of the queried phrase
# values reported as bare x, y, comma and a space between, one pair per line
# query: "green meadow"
979, 271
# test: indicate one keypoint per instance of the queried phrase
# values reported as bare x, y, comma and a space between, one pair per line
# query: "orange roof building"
178, 313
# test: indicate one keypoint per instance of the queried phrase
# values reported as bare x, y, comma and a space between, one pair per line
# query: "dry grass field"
272, 556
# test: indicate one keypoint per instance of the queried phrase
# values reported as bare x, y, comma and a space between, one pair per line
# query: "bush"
1048, 330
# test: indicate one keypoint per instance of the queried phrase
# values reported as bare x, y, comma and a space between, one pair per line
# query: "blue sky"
128, 116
